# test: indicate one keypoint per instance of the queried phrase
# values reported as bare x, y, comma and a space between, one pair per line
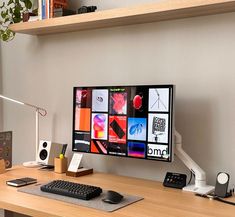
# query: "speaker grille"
43, 154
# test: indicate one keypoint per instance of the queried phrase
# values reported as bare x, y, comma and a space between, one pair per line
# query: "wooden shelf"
164, 10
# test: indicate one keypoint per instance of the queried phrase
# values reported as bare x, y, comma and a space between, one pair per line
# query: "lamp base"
31, 164
199, 190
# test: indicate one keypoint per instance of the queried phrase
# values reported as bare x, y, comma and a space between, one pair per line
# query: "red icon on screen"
137, 102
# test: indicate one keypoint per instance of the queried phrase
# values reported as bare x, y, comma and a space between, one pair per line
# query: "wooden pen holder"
60, 165
2, 166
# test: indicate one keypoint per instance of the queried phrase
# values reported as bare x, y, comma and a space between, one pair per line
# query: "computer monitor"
127, 121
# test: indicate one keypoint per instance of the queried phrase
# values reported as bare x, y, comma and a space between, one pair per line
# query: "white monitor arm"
200, 185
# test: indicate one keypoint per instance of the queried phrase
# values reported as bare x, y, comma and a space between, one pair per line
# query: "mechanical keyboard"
71, 189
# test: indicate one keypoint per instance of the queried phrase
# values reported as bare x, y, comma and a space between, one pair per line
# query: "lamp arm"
40, 111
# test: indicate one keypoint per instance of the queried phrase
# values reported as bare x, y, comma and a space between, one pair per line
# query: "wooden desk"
158, 200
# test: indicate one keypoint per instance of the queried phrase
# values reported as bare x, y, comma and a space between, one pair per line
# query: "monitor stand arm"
200, 185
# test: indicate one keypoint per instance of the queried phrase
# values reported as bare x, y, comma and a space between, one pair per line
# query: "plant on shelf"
11, 11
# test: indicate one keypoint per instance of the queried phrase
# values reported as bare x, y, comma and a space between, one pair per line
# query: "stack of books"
46, 8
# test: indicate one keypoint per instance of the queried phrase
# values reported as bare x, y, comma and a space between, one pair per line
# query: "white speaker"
47, 151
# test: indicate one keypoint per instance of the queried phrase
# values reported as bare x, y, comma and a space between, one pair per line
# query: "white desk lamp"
38, 111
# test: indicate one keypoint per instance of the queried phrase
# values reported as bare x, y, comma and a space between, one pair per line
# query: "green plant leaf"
4, 37
3, 5
28, 4
3, 14
16, 19
11, 12
17, 13
10, 2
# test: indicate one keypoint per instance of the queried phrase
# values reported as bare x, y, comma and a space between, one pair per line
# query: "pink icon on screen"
119, 102
99, 125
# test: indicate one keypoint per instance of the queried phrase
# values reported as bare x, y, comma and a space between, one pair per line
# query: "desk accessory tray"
81, 172
95, 203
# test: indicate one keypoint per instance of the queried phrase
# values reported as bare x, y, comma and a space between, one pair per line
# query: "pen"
64, 149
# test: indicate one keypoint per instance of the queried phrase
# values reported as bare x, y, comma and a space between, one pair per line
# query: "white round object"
31, 164
222, 178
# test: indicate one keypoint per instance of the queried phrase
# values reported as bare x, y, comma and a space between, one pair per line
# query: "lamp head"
41, 111
12, 100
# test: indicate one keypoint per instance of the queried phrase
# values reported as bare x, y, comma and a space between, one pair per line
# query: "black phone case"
21, 182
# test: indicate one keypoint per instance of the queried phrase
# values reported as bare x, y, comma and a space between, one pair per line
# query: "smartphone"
21, 182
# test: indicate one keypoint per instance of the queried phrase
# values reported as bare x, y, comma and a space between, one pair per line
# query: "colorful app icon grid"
100, 100
137, 129
82, 141
158, 151
124, 121
158, 128
138, 102
99, 146
81, 123
117, 129
118, 101
136, 149
117, 149
159, 99
83, 98
99, 126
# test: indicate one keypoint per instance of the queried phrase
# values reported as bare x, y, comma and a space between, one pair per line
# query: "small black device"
112, 197
221, 186
117, 129
47, 168
61, 12
21, 182
86, 9
175, 180
72, 189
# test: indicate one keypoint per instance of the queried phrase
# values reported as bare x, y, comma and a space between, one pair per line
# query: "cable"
213, 197
224, 201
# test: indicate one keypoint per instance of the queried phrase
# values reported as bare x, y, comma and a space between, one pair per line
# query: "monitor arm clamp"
200, 185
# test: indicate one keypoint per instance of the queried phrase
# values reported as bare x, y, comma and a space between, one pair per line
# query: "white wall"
196, 54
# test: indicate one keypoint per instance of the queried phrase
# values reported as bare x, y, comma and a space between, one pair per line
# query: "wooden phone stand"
81, 172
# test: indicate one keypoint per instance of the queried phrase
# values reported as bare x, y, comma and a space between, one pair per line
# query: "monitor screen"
128, 121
